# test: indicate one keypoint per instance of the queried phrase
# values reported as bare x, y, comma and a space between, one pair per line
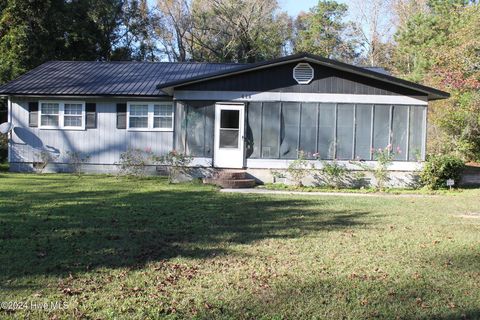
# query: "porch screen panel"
416, 149
290, 121
270, 130
308, 129
326, 130
254, 130
363, 131
345, 118
381, 126
195, 123
400, 131
209, 130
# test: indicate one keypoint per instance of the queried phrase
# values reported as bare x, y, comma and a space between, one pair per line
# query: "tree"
135, 33
238, 30
173, 25
322, 31
32, 32
419, 38
440, 47
457, 70
29, 35
373, 22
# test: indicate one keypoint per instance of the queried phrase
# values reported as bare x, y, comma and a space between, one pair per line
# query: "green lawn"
135, 249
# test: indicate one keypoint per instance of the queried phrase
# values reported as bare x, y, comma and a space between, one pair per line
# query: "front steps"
230, 179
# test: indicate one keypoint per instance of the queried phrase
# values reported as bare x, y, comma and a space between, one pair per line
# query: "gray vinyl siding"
104, 144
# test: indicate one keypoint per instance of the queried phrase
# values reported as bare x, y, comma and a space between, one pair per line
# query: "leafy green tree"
440, 47
136, 34
32, 32
419, 38
29, 35
322, 31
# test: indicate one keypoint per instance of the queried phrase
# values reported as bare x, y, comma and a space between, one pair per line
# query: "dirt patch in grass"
470, 215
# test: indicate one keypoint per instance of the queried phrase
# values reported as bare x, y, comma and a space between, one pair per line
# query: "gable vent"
303, 73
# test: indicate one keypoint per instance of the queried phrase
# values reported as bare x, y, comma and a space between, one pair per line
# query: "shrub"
439, 168
76, 160
299, 169
333, 175
384, 158
277, 176
178, 163
44, 158
133, 162
3, 147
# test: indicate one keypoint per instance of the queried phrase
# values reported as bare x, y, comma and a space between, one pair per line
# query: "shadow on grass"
56, 225
361, 297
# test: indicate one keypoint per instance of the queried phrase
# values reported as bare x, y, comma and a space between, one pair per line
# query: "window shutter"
121, 116
91, 115
33, 114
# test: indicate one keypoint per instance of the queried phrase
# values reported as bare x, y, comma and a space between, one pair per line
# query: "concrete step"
231, 175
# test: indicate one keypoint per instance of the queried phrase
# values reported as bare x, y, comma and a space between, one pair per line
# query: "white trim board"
299, 97
284, 163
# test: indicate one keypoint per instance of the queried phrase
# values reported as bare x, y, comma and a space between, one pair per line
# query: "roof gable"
353, 73
280, 78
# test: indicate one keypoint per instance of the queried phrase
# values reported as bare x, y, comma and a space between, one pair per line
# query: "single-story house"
251, 116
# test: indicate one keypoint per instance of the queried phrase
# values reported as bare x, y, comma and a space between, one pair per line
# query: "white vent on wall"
303, 73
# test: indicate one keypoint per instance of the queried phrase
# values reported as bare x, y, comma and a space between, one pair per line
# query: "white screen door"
229, 135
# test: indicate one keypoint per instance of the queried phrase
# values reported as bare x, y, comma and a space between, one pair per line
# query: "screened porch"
278, 130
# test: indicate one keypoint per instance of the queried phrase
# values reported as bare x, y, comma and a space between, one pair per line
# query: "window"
153, 116
163, 116
73, 114
50, 114
138, 116
62, 115
229, 128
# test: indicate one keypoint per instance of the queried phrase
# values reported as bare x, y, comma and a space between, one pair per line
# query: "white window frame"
150, 116
61, 114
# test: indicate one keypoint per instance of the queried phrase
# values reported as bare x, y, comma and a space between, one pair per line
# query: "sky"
293, 7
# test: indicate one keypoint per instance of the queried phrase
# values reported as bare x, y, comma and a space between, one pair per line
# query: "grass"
419, 191
136, 249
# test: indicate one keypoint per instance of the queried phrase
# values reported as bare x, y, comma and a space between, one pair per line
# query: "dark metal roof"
432, 93
93, 78
376, 69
